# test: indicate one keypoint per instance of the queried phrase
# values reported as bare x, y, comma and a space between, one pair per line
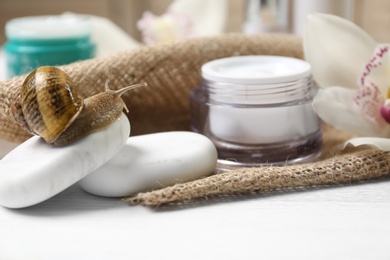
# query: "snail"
48, 105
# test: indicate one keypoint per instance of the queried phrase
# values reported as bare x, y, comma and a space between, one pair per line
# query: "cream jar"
46, 40
257, 110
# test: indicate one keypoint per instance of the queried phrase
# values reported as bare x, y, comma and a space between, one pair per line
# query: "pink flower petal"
376, 71
370, 101
385, 112
336, 106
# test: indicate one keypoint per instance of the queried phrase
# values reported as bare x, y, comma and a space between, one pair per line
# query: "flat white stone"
35, 171
153, 161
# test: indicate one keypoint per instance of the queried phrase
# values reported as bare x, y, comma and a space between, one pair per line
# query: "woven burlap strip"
347, 168
170, 70
335, 166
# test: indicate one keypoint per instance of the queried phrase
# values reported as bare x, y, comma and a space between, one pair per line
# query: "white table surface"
345, 222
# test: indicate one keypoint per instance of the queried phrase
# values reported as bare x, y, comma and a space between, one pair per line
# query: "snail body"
48, 105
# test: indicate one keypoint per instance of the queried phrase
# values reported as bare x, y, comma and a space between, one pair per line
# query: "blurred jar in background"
266, 16
46, 40
342, 8
290, 16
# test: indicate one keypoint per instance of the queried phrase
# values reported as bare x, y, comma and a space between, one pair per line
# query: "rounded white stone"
35, 171
153, 161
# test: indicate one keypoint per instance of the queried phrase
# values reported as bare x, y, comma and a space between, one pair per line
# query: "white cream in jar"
257, 110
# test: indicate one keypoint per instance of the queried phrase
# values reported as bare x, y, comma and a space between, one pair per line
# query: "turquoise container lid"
46, 40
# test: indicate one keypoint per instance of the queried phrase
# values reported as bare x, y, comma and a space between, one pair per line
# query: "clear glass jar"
257, 111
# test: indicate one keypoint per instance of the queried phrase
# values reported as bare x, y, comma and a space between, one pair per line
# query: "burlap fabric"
343, 169
171, 71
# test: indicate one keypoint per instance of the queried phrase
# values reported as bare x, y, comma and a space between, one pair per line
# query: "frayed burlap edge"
343, 169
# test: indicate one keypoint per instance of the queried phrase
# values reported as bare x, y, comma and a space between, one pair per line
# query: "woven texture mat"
172, 71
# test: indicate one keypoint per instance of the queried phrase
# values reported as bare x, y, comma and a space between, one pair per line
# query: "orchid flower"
165, 28
353, 72
184, 19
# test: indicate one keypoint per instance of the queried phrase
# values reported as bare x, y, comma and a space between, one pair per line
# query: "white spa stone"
35, 171
153, 161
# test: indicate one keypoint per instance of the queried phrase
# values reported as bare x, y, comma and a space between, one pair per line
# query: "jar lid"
256, 69
48, 27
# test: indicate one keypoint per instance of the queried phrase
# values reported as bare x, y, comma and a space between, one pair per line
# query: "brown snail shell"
48, 105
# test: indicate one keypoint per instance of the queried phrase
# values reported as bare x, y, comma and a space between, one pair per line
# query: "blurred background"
115, 25
371, 15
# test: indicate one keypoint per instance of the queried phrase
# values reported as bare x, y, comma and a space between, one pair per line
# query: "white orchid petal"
377, 70
380, 143
336, 106
337, 49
